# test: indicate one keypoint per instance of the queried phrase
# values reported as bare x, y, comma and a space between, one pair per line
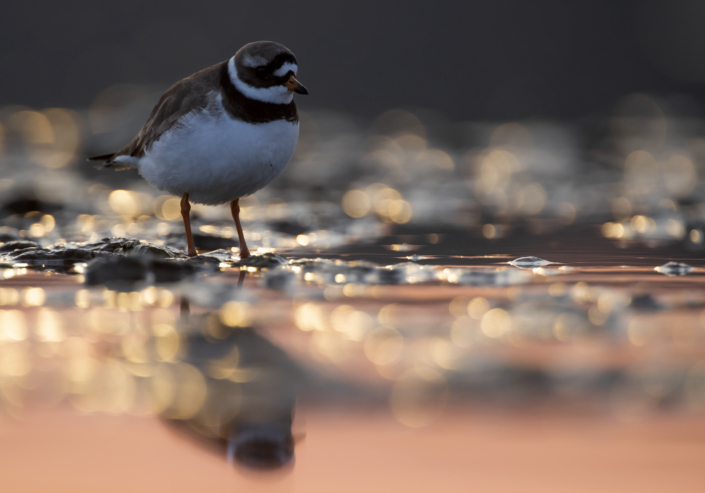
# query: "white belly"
216, 159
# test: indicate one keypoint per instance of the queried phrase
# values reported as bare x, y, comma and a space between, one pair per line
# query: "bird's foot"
244, 253
192, 253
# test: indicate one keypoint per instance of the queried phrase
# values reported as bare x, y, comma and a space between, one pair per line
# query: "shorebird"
220, 134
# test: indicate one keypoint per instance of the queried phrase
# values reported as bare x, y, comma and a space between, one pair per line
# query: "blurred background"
386, 328
466, 60
563, 93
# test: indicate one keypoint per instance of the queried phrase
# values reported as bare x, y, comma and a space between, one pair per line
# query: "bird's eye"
261, 71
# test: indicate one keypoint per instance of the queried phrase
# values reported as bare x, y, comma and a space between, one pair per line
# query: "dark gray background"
469, 60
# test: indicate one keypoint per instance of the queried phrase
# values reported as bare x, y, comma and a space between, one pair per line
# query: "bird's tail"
110, 161
104, 157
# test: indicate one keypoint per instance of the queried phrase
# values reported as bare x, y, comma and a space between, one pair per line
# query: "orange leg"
185, 210
235, 209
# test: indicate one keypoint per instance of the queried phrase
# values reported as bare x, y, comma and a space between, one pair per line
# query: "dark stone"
124, 246
121, 271
279, 279
206, 261
390, 276
266, 261
36, 255
11, 246
115, 271
645, 302
171, 270
219, 255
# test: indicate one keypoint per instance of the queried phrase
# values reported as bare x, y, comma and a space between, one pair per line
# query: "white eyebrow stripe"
284, 69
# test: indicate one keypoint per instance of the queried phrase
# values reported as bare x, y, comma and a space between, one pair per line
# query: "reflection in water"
249, 392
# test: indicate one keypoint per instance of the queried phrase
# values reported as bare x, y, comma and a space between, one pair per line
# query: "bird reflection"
251, 388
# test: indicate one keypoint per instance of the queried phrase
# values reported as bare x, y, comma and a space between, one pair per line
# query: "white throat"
276, 94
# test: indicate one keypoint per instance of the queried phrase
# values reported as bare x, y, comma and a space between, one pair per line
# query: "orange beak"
296, 86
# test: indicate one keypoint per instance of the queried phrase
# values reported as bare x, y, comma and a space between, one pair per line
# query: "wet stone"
645, 302
125, 246
11, 246
279, 279
674, 269
200, 263
64, 256
166, 271
115, 272
529, 262
215, 256
265, 261
360, 271
121, 272
40, 255
390, 276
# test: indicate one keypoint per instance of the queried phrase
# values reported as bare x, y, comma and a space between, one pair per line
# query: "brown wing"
187, 95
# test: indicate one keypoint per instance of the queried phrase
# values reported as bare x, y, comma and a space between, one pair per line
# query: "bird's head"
266, 71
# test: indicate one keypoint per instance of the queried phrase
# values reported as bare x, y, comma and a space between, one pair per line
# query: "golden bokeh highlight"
128, 203
384, 346
236, 314
310, 316
9, 296
458, 306
49, 326
33, 297
13, 325
477, 307
356, 203
168, 342
495, 323
167, 208
531, 199
489, 231
52, 137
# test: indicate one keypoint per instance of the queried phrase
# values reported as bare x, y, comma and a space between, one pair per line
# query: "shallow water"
416, 339
425, 287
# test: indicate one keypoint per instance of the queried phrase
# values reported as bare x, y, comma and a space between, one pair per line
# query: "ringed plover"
220, 134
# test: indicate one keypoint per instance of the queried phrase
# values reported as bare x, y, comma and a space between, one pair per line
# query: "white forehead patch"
254, 61
275, 94
284, 69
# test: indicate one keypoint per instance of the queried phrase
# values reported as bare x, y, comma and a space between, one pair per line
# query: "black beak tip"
301, 90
